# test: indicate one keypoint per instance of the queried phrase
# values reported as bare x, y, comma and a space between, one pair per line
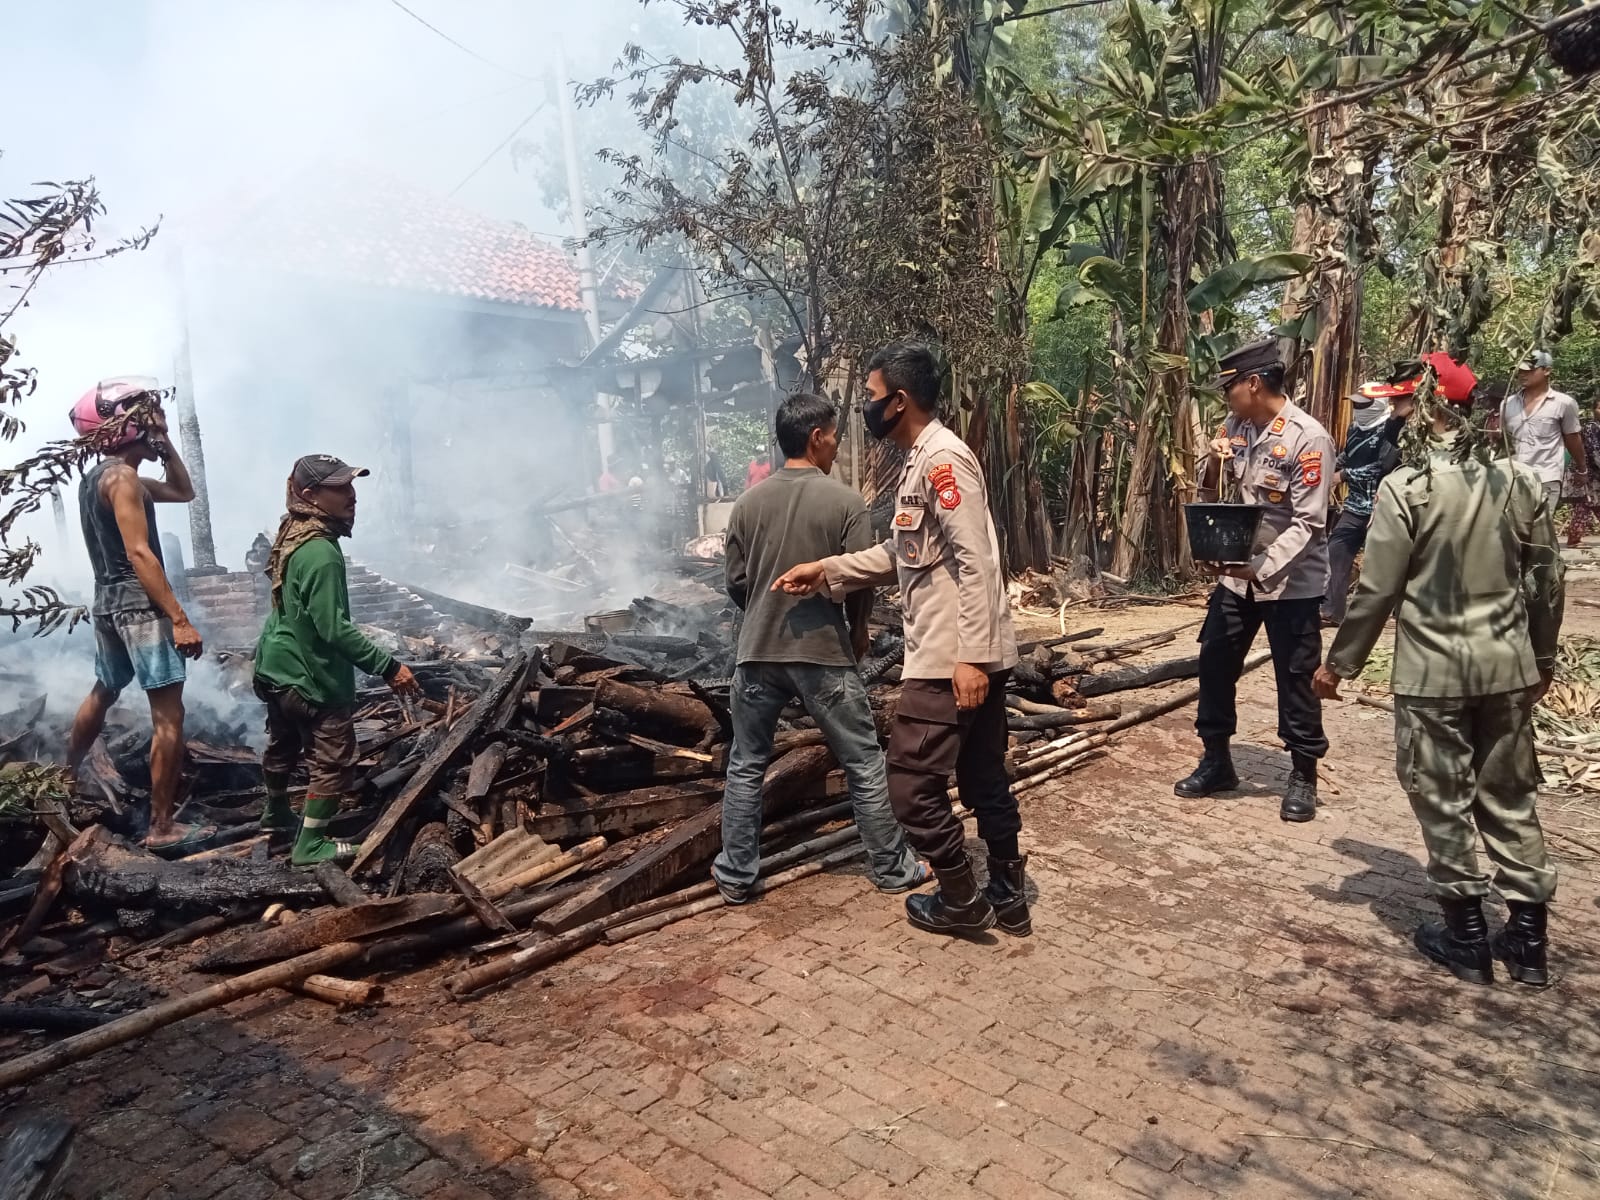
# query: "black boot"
958, 906
1214, 774
1461, 943
1300, 797
1004, 895
1521, 945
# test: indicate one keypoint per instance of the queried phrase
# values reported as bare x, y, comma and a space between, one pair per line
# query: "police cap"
1246, 361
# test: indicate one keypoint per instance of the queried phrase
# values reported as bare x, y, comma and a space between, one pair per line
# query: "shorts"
136, 645
299, 731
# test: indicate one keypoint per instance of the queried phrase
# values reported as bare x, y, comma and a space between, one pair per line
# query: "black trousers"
928, 741
1344, 543
1294, 634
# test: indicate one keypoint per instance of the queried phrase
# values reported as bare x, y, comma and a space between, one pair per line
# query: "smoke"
275, 143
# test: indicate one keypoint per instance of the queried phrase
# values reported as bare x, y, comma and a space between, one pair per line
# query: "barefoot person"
306, 660
141, 632
960, 649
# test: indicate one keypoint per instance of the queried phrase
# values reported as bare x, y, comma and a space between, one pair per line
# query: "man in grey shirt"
794, 647
1541, 426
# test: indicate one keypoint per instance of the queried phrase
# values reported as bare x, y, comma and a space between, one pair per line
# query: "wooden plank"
624, 812
482, 907
341, 889
513, 678
35, 1157
324, 926
486, 766
691, 845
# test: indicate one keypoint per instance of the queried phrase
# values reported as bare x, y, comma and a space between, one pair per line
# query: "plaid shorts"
136, 645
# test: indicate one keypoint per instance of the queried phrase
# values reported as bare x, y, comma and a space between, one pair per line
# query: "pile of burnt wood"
521, 810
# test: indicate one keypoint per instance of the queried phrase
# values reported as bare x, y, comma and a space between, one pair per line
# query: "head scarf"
304, 522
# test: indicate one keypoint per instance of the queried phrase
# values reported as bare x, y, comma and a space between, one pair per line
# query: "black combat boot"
1214, 774
958, 906
1300, 797
1004, 895
1521, 944
1461, 943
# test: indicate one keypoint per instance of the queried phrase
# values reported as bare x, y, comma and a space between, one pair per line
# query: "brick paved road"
1215, 1004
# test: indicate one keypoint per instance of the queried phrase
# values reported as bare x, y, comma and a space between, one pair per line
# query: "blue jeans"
837, 700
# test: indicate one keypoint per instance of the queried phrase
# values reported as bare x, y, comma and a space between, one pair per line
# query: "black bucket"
1222, 533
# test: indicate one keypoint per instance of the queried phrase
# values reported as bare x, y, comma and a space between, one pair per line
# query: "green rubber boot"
276, 815
313, 846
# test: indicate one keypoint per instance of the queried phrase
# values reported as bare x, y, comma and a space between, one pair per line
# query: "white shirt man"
1541, 425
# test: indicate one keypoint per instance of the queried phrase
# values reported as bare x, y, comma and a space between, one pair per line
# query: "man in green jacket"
307, 656
1465, 551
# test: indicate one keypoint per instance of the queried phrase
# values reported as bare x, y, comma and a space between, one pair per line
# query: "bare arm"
124, 491
176, 487
1580, 456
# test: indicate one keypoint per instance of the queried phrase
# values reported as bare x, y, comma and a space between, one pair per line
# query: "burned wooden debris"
529, 804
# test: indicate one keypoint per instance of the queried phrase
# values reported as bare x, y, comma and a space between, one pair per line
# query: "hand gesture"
405, 683
804, 580
1222, 447
971, 686
187, 638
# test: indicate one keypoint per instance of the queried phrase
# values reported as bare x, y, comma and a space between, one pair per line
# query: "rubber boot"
276, 815
1005, 895
314, 846
958, 907
1214, 774
1461, 943
1522, 945
1300, 797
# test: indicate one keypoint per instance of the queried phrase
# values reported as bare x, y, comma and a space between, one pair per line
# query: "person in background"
141, 632
608, 481
1464, 554
1586, 500
960, 650
800, 649
760, 468
715, 480
1280, 456
307, 658
1541, 427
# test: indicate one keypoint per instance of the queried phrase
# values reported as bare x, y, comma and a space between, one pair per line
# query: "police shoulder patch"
1311, 476
1279, 425
943, 480
1311, 456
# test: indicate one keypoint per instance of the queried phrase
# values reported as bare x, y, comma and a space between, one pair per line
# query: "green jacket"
1468, 556
311, 644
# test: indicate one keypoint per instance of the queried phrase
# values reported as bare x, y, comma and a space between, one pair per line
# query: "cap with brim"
324, 470
1536, 361
1246, 361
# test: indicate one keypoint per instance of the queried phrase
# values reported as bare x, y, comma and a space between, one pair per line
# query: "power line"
464, 49
504, 142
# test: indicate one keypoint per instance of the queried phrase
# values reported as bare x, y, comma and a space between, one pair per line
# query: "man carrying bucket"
1279, 459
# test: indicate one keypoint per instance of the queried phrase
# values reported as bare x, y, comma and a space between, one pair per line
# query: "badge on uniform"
1238, 440
1311, 476
910, 551
1278, 425
903, 520
1271, 479
1275, 497
1310, 456
943, 479
1280, 451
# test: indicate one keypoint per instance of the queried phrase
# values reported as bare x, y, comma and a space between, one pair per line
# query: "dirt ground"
1214, 1003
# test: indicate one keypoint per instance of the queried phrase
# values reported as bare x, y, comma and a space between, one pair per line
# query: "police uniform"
1465, 556
1283, 465
944, 555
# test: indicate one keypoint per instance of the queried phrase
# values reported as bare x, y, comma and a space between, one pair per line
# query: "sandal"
189, 838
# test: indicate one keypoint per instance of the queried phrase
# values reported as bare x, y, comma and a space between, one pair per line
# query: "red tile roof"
374, 230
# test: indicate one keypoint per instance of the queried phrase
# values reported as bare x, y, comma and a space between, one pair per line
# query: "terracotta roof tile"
382, 232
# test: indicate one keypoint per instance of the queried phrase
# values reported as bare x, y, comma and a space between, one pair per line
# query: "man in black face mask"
960, 649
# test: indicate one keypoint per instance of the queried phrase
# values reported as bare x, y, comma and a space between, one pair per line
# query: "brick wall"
230, 609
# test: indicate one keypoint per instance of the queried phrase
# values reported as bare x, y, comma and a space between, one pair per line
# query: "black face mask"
873, 414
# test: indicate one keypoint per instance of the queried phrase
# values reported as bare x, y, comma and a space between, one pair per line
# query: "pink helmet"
109, 399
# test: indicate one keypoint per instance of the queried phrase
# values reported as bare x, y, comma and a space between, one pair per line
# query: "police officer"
960, 649
1279, 458
1467, 553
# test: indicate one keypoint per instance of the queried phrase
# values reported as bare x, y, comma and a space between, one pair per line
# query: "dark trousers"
1294, 634
1344, 543
928, 742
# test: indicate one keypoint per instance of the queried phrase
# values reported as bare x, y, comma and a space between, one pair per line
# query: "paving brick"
750, 1164
879, 1156
813, 1159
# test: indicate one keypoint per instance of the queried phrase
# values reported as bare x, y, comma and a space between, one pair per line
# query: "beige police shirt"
943, 552
1285, 467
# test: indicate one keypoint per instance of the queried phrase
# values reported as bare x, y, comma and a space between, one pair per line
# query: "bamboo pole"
342, 993
74, 1049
